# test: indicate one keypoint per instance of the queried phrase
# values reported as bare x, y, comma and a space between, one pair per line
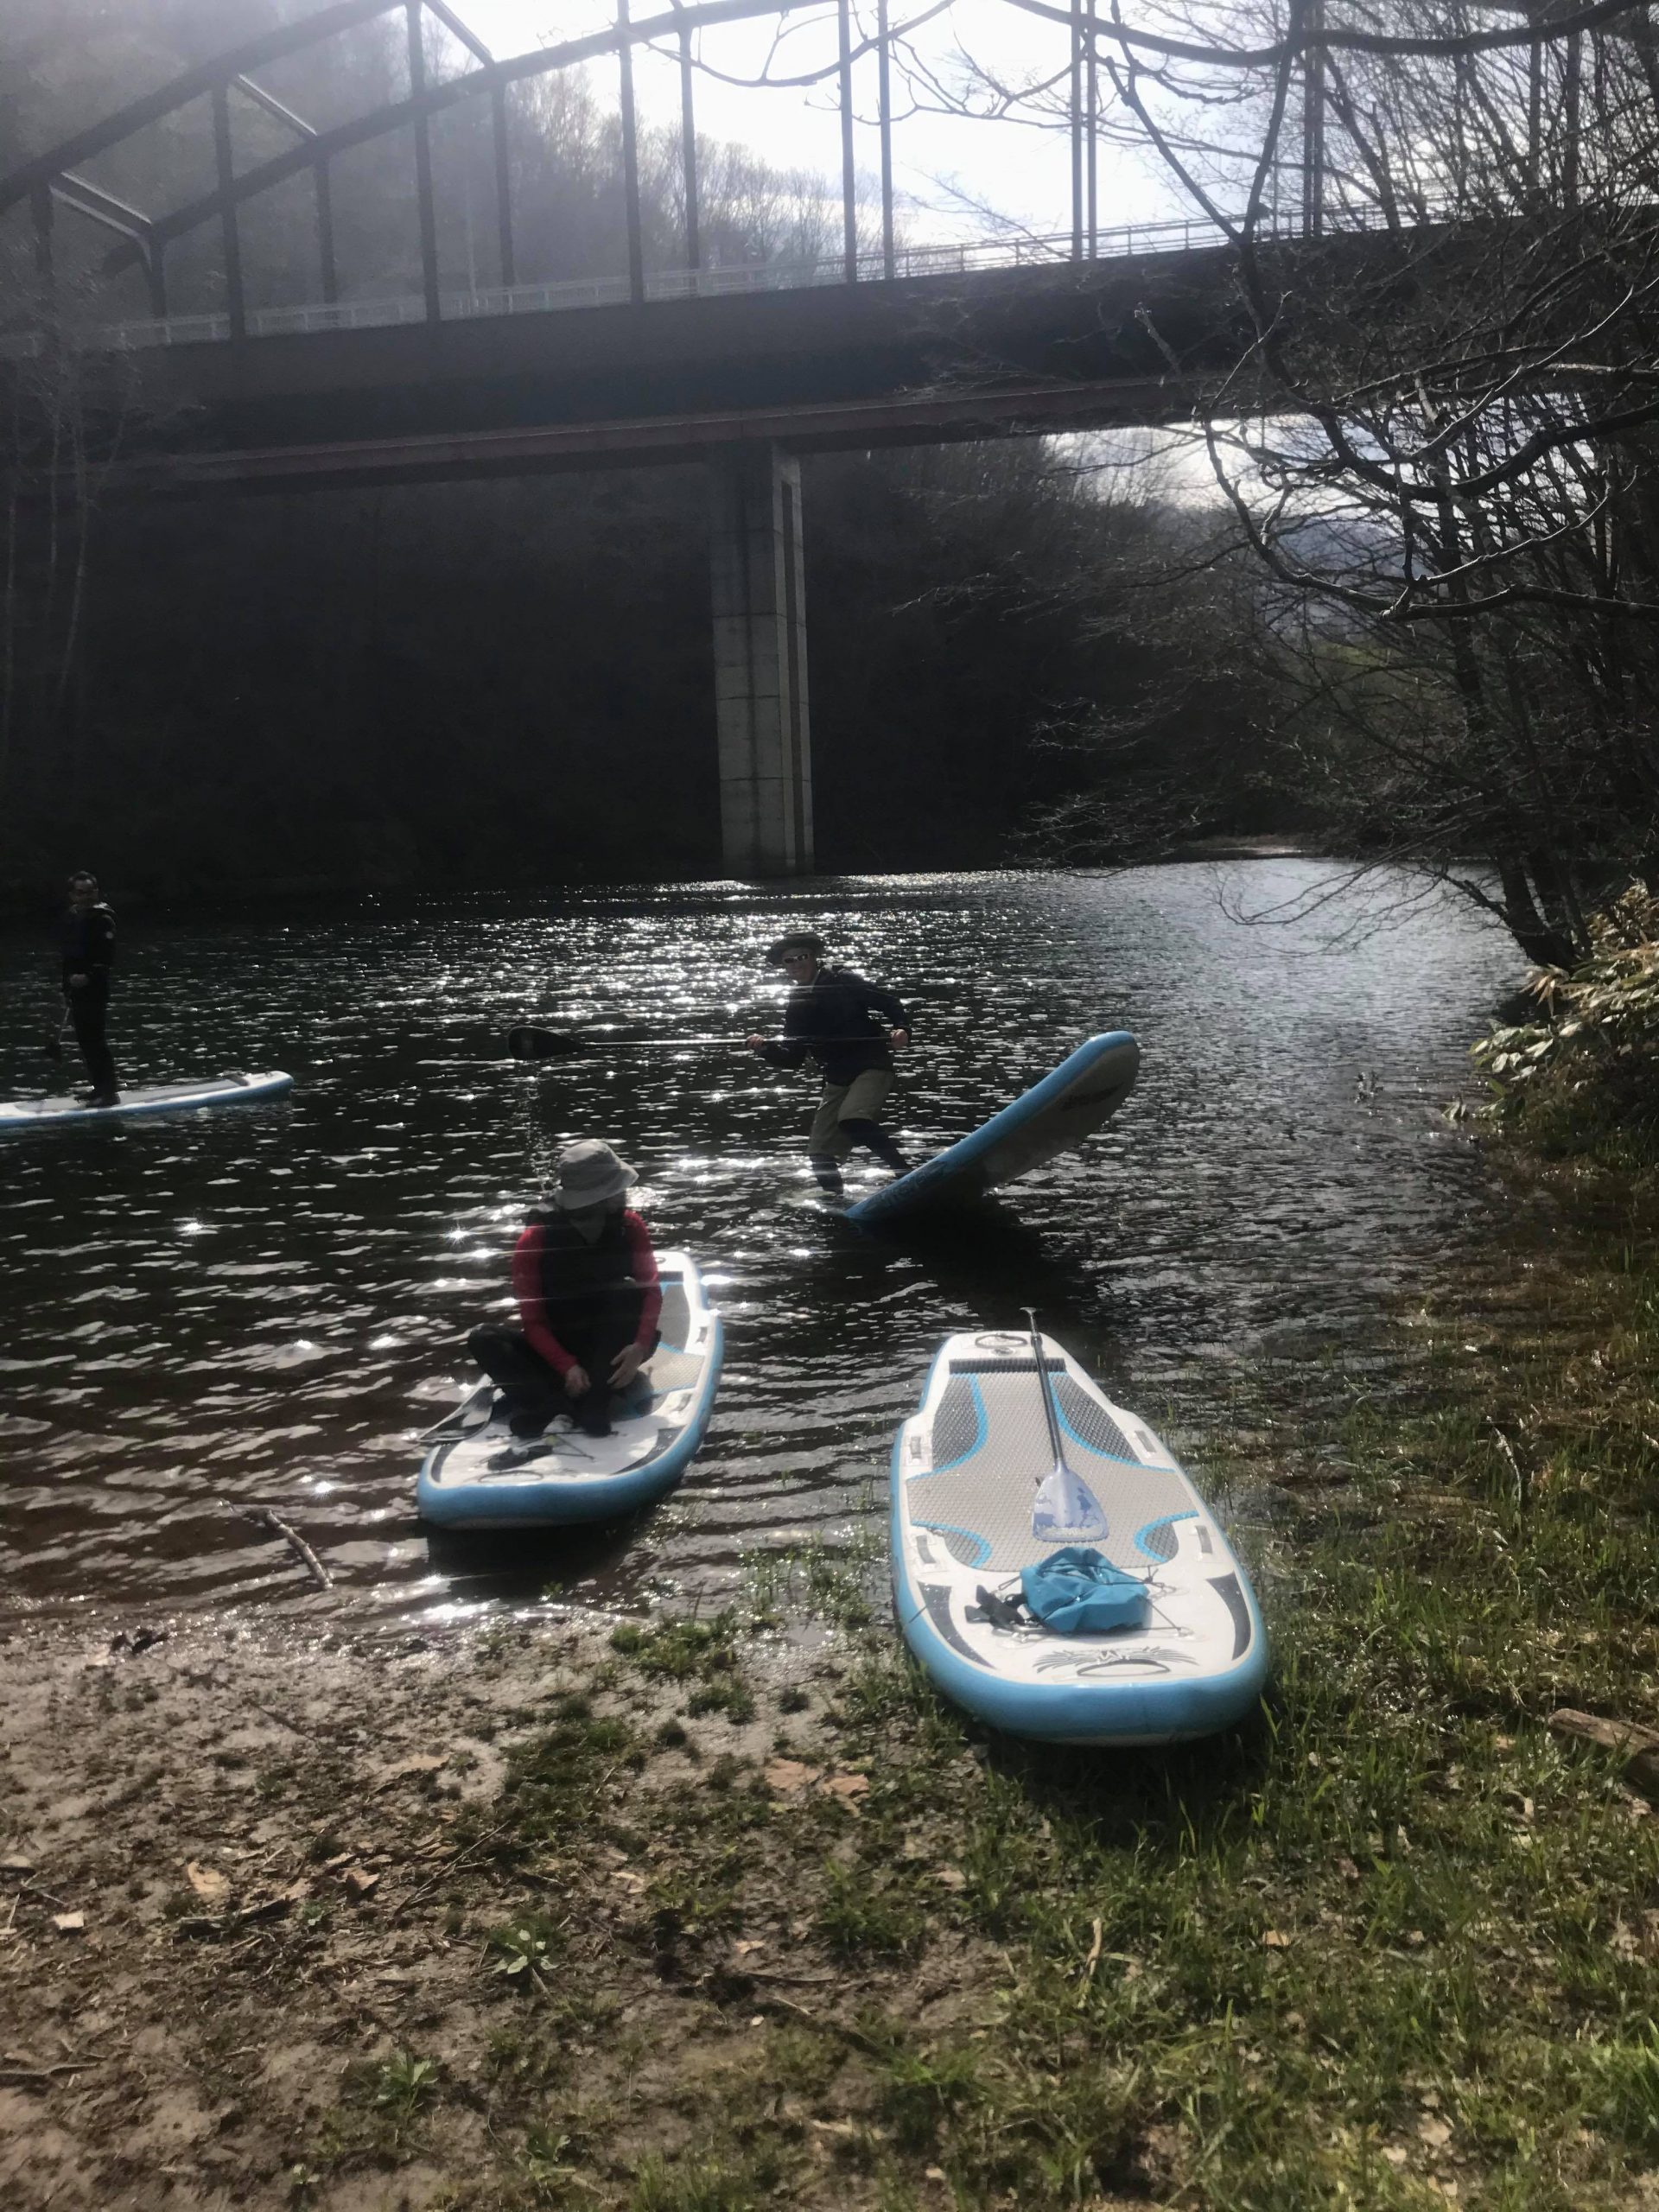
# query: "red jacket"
529, 1281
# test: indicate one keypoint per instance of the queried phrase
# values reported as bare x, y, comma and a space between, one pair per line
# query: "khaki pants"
860, 1100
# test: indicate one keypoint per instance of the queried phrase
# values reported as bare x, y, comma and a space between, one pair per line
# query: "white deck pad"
480, 1475
965, 1474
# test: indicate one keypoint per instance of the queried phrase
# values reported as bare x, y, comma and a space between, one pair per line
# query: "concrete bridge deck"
995, 352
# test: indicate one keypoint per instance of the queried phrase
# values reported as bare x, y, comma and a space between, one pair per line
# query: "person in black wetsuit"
88, 945
850, 1027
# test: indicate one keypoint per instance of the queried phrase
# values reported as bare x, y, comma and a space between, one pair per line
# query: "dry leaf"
787, 1776
69, 1923
625, 1879
848, 1786
359, 1881
1434, 2132
952, 1877
210, 1885
747, 1944
1395, 2153
15, 1863
1276, 1940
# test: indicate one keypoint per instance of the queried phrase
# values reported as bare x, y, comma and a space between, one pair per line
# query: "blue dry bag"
1076, 1592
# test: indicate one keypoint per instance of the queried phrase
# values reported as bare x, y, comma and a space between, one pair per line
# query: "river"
265, 1305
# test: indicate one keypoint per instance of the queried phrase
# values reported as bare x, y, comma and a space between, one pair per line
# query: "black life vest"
574, 1272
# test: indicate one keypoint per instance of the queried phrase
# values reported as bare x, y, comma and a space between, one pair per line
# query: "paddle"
1066, 1510
53, 1046
530, 1044
472, 1412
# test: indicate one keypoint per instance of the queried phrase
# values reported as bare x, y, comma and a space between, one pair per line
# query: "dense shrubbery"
1587, 1067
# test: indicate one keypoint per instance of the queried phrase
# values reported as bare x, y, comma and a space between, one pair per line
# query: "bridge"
741, 369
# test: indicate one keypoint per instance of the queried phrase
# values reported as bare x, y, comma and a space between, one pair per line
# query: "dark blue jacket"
88, 945
833, 1020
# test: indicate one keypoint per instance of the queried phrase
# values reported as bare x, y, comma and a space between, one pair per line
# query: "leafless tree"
1437, 438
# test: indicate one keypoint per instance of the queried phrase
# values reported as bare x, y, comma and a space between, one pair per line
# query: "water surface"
265, 1305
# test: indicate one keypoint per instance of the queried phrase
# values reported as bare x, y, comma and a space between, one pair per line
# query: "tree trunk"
1544, 946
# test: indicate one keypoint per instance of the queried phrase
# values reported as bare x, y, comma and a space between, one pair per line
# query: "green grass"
835, 1583
701, 1656
1391, 1939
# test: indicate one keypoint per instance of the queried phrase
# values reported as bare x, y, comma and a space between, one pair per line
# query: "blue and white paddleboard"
480, 1475
966, 1472
18, 1115
1053, 1116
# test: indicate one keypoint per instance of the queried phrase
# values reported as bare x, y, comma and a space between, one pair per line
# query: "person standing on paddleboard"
585, 1277
88, 945
850, 1027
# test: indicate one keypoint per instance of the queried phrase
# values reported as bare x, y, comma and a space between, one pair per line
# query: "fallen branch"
266, 1516
452, 1866
1637, 1746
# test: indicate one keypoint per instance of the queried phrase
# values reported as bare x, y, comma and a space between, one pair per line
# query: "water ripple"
268, 1305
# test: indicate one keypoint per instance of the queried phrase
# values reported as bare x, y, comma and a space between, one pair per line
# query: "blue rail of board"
1107, 1711
568, 1501
237, 1091
971, 1163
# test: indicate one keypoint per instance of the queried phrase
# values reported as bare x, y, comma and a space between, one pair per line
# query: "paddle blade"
540, 1045
52, 1046
1065, 1510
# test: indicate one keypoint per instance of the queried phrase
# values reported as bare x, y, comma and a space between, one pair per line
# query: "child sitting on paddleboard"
850, 1027
585, 1277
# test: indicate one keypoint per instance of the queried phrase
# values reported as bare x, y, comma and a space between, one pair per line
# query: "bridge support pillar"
760, 610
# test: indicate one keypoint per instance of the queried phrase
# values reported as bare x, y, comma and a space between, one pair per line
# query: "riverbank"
701, 1915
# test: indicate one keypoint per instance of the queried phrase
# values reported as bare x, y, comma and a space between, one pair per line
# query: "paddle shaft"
525, 1043
1049, 1411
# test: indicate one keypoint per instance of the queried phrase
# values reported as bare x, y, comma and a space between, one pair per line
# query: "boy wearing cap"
585, 1277
850, 1027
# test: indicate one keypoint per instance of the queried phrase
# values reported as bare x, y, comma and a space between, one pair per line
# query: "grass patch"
835, 1583
857, 1916
703, 1656
1392, 1945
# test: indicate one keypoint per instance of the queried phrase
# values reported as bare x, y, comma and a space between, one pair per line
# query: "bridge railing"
1123, 241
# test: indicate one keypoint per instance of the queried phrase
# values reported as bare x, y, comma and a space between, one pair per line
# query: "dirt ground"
718, 1915
268, 1937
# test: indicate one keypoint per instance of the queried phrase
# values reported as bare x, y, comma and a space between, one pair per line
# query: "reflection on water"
267, 1305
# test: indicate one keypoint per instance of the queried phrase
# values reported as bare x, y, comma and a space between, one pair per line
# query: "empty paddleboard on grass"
18, 1115
480, 1475
1055, 1115
967, 1469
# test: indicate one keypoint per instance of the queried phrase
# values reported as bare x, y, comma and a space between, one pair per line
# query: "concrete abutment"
761, 696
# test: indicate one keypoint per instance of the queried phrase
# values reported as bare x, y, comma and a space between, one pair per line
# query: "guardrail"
1122, 242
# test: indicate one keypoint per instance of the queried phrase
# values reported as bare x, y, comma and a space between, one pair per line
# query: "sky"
1022, 172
